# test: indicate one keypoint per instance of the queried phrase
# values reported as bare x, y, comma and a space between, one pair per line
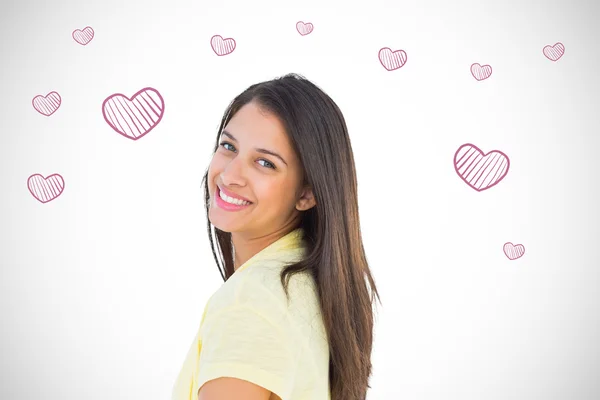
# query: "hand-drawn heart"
481, 72
221, 46
513, 251
392, 60
136, 116
84, 36
45, 189
480, 171
555, 52
46, 105
304, 29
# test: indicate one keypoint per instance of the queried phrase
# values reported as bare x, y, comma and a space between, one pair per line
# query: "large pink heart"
83, 36
481, 72
304, 29
554, 52
221, 46
45, 189
480, 171
48, 104
513, 251
134, 117
392, 60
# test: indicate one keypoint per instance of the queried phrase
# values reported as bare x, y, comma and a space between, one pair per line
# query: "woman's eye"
270, 164
224, 143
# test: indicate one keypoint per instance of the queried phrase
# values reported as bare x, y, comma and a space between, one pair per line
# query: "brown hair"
336, 257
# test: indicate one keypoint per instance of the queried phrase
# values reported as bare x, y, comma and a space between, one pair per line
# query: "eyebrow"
264, 151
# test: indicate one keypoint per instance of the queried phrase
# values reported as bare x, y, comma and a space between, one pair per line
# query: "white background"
103, 288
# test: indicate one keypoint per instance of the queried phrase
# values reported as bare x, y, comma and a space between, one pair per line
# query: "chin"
225, 226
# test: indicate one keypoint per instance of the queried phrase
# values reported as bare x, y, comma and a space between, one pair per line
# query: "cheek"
211, 173
218, 159
213, 170
214, 166
274, 193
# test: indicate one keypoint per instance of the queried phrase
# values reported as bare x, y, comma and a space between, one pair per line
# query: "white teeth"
231, 200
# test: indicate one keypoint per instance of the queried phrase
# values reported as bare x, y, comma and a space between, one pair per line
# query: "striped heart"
134, 117
513, 251
45, 189
480, 171
84, 36
304, 29
481, 72
221, 46
555, 52
392, 60
46, 105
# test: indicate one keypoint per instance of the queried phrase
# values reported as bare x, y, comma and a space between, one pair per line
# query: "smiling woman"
293, 319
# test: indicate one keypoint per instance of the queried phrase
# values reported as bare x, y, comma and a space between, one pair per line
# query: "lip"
235, 196
227, 206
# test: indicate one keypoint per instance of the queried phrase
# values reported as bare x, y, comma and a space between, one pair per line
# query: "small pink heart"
480, 171
555, 52
45, 189
481, 72
134, 117
304, 29
84, 36
46, 105
222, 46
513, 251
392, 60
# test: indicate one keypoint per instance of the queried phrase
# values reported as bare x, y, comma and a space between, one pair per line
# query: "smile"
229, 203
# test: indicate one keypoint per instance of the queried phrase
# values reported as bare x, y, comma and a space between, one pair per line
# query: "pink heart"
83, 36
134, 117
48, 104
392, 60
304, 29
45, 189
555, 52
480, 72
480, 171
222, 46
513, 251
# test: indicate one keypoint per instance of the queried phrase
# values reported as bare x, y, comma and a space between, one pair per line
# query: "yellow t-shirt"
248, 331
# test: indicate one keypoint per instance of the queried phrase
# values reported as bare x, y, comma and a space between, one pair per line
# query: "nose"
233, 173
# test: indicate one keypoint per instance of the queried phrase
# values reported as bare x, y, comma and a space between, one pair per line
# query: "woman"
294, 318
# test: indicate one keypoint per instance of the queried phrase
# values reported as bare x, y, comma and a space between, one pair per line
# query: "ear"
306, 200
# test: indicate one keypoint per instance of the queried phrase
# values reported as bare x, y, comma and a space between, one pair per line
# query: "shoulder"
265, 281
259, 288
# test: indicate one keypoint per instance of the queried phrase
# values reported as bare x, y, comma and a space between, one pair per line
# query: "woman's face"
272, 184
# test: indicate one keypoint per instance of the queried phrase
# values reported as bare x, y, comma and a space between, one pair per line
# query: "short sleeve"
242, 343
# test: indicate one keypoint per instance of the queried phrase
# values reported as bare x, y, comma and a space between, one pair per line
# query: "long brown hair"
336, 256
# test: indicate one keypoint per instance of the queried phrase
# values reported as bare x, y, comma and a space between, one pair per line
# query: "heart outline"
130, 100
218, 40
45, 101
82, 32
518, 249
481, 68
47, 186
307, 27
393, 54
478, 150
549, 51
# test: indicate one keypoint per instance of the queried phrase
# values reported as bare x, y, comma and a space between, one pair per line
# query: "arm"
245, 355
227, 388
